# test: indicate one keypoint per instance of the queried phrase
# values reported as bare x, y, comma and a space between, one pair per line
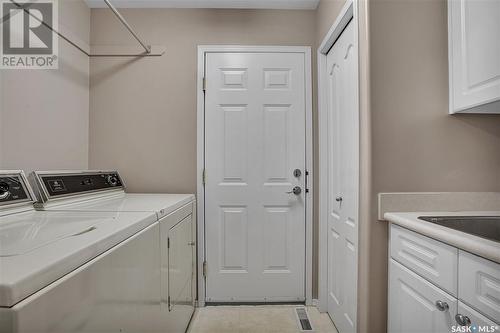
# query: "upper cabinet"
474, 55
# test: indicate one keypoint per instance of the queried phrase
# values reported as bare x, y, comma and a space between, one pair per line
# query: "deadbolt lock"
297, 173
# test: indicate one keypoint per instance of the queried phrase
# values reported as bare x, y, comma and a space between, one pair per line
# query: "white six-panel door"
343, 161
254, 140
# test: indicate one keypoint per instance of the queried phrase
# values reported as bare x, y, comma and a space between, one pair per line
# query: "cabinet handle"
462, 320
191, 243
442, 306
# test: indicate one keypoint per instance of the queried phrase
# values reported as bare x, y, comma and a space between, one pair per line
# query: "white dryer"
63, 271
104, 191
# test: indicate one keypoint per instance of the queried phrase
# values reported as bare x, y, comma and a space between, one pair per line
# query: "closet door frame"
348, 13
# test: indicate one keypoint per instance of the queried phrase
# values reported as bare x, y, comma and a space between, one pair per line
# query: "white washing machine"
104, 191
64, 271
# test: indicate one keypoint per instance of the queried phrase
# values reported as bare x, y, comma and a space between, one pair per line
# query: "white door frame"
349, 12
200, 143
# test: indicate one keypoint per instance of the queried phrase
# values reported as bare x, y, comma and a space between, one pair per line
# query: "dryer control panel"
54, 185
14, 188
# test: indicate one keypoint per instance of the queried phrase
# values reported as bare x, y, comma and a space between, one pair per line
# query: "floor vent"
303, 318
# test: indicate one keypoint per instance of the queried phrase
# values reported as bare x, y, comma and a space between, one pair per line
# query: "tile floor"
256, 319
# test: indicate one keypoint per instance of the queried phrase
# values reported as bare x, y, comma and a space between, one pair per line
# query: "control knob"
112, 180
4, 191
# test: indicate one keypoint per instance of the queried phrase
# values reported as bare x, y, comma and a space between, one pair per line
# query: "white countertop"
477, 245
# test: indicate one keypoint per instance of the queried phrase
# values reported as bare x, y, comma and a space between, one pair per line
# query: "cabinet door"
412, 303
474, 55
180, 264
177, 268
469, 315
479, 284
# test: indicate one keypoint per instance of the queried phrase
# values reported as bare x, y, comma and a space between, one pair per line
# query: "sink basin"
483, 226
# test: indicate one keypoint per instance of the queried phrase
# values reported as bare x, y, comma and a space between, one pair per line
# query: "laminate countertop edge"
479, 246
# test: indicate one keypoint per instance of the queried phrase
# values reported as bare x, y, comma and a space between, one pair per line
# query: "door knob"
338, 199
296, 190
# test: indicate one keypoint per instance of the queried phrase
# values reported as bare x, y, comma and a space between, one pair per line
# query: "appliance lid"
22, 233
160, 204
39, 247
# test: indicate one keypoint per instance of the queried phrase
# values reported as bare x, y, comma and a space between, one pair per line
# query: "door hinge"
204, 84
205, 267
204, 177
307, 181
168, 304
168, 243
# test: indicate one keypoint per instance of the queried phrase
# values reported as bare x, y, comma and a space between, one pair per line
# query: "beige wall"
326, 14
157, 103
416, 145
143, 112
44, 120
156, 107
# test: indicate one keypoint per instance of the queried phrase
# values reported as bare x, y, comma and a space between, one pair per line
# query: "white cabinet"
416, 305
474, 55
479, 284
433, 260
435, 287
469, 315
178, 268
180, 264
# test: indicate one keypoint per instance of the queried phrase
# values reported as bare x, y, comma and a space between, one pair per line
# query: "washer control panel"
66, 184
13, 189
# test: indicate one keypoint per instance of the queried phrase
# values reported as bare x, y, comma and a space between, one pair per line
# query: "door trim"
348, 13
200, 149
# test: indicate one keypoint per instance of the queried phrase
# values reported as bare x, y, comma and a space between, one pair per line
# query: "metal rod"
69, 41
125, 23
125, 55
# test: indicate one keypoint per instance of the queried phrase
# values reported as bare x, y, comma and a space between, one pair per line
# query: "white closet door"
255, 139
343, 160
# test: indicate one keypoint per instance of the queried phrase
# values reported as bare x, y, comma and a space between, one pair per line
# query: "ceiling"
240, 4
